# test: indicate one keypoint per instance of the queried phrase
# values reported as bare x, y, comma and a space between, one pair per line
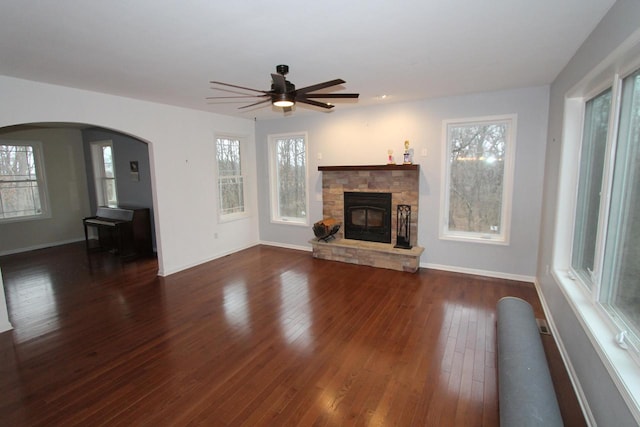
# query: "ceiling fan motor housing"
289, 87
282, 69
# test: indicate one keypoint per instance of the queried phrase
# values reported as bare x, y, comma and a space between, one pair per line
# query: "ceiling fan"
284, 94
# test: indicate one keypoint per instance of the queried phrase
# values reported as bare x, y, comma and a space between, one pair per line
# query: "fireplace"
367, 216
402, 183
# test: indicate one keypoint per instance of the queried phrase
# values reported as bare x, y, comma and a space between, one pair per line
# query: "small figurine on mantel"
390, 160
407, 154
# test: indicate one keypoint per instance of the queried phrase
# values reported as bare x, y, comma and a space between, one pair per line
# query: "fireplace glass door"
367, 216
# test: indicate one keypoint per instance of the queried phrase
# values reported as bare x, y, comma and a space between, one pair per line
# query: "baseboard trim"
174, 270
41, 246
5, 326
454, 269
573, 377
168, 272
478, 272
286, 246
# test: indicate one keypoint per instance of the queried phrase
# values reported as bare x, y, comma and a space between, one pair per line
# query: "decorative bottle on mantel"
407, 154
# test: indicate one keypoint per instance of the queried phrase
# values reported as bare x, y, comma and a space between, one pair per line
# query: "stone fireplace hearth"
401, 182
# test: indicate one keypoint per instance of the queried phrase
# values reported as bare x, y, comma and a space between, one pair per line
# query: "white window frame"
276, 217
41, 179
503, 237
619, 357
222, 217
594, 276
99, 173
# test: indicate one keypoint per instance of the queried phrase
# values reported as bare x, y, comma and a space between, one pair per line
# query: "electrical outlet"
543, 327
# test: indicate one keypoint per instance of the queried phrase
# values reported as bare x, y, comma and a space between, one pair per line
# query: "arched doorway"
70, 181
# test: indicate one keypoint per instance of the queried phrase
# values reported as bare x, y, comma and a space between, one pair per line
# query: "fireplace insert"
367, 216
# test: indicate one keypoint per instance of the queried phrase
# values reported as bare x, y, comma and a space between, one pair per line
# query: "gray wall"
125, 149
363, 136
605, 401
68, 196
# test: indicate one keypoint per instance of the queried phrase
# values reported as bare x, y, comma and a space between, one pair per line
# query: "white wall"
67, 188
182, 155
363, 136
602, 397
5, 325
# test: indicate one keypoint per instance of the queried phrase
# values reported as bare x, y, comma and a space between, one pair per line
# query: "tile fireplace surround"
402, 182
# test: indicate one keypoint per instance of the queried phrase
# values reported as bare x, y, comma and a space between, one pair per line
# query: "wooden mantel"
411, 167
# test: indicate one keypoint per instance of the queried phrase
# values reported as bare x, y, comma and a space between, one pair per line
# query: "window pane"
621, 278
110, 192
107, 157
19, 190
291, 176
19, 199
230, 180
476, 173
102, 157
594, 144
228, 155
231, 195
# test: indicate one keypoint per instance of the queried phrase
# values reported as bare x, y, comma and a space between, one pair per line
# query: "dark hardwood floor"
267, 336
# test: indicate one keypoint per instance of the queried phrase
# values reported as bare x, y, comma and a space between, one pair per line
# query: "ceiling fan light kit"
284, 94
282, 100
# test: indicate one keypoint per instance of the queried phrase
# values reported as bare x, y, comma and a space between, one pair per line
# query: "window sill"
475, 238
25, 218
620, 364
290, 222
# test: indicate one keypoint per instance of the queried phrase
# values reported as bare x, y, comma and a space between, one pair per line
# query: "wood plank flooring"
263, 337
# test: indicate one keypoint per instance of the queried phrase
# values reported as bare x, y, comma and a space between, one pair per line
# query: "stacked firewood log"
326, 228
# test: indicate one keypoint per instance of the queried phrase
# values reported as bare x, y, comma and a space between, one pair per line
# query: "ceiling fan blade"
315, 103
331, 95
321, 86
279, 83
223, 101
232, 97
255, 103
236, 86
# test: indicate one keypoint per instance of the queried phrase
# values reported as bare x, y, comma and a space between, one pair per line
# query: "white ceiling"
167, 51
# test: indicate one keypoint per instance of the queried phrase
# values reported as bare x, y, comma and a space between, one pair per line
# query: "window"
104, 173
230, 177
596, 238
620, 291
478, 167
288, 178
596, 125
606, 237
23, 192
